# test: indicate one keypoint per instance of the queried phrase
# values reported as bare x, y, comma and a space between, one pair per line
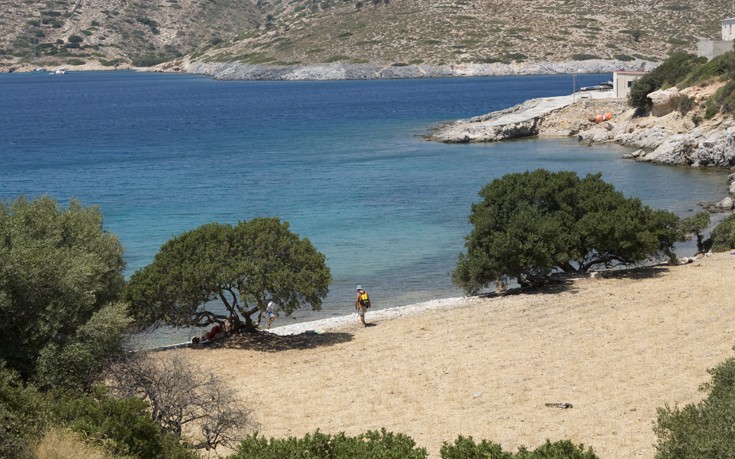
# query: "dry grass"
64, 444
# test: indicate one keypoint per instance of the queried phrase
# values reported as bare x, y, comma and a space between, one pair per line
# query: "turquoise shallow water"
342, 161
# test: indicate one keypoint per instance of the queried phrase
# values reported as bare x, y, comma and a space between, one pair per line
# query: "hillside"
383, 32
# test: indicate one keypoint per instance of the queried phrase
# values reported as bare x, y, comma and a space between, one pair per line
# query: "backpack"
364, 300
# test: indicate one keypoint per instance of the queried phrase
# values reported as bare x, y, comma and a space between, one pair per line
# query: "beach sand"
616, 347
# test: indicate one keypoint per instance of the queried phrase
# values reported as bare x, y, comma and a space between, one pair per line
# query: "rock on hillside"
672, 137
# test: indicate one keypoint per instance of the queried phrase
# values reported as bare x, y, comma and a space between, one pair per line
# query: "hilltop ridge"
90, 34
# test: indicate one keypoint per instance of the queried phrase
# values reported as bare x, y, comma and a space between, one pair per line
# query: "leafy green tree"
531, 224
723, 236
244, 266
703, 430
76, 363
694, 225
58, 269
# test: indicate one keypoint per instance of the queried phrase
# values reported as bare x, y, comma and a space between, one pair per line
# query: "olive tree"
243, 266
530, 225
60, 279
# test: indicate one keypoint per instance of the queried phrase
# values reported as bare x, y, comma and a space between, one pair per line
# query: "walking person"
271, 312
362, 302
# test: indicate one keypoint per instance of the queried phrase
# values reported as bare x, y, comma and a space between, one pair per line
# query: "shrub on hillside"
669, 73
466, 448
723, 236
703, 430
369, 445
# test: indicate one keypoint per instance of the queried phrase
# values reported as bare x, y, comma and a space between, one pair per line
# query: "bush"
723, 236
669, 73
466, 448
60, 269
703, 430
20, 415
123, 426
530, 225
686, 103
370, 445
584, 57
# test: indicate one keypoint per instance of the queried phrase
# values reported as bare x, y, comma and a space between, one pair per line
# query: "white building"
714, 48
622, 82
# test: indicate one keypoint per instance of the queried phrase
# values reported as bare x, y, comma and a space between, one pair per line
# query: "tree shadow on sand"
270, 342
565, 282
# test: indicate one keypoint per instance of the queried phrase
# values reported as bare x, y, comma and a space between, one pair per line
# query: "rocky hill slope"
392, 33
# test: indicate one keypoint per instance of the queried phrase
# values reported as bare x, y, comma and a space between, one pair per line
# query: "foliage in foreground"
244, 266
183, 399
529, 225
369, 445
704, 430
723, 236
60, 275
122, 426
466, 448
21, 411
386, 445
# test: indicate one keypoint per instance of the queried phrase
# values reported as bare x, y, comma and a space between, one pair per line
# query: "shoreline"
616, 346
397, 312
346, 71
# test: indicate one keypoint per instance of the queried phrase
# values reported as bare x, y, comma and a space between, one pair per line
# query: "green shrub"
669, 73
686, 103
584, 57
466, 448
710, 108
703, 430
624, 57
123, 426
722, 66
20, 415
723, 236
370, 445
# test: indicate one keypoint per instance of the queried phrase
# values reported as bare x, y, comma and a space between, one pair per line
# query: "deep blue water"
341, 161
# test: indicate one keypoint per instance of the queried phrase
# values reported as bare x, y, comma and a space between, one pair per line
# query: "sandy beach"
615, 346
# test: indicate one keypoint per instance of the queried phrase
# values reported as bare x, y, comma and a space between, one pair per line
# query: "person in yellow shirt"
362, 302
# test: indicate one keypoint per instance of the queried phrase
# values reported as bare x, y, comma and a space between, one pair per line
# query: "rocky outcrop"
519, 121
343, 71
669, 138
664, 101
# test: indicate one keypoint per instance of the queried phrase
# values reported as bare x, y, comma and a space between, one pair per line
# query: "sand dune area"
616, 347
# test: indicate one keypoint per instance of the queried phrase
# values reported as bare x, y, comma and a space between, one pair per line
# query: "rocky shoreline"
668, 136
343, 71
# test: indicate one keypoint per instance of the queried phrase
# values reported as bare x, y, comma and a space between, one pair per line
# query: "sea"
343, 162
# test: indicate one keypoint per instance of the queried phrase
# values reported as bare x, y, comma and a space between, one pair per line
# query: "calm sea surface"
341, 161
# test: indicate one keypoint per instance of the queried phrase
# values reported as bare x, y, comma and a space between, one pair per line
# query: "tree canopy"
531, 224
244, 266
60, 277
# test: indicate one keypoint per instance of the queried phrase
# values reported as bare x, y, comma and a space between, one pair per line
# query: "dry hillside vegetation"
384, 32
